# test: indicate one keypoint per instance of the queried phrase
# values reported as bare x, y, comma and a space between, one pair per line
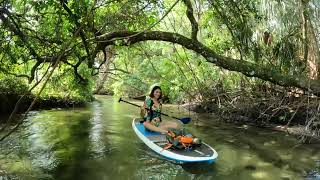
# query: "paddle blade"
120, 100
185, 120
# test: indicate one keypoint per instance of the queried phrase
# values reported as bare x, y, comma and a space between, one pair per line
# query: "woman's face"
157, 93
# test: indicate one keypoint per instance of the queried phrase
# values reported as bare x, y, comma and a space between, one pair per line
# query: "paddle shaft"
147, 108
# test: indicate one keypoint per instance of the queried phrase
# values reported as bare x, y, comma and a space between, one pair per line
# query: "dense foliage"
274, 40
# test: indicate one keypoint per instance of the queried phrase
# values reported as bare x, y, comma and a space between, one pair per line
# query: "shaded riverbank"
12, 89
296, 115
8, 102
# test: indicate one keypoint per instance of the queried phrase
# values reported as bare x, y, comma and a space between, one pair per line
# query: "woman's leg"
152, 127
169, 125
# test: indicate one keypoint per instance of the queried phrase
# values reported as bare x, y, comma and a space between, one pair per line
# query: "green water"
97, 142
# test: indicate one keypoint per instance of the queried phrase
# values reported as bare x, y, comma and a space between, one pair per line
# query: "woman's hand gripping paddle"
184, 120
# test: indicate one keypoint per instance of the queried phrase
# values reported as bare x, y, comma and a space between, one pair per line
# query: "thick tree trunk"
247, 68
305, 20
310, 47
309, 41
314, 53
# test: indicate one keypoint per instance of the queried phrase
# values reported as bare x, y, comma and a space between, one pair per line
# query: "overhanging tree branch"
245, 67
82, 35
75, 68
5, 71
7, 19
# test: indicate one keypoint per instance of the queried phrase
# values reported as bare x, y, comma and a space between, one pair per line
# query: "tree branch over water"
126, 38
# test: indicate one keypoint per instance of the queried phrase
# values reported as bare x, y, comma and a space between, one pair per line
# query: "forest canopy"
190, 47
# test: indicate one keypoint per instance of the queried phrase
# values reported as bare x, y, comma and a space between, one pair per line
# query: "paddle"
184, 120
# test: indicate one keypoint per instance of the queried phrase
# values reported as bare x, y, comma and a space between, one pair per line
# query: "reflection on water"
97, 142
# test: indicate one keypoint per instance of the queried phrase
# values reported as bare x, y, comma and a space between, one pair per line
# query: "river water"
97, 142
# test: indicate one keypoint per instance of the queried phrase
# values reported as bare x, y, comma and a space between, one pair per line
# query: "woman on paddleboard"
152, 116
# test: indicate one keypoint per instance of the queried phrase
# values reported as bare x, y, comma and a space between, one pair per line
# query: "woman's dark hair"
153, 90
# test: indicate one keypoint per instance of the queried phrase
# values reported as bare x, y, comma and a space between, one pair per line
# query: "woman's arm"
148, 104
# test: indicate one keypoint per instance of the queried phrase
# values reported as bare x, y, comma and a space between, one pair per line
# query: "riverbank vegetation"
247, 61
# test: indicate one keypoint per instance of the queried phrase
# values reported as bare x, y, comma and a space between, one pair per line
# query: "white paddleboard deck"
157, 142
